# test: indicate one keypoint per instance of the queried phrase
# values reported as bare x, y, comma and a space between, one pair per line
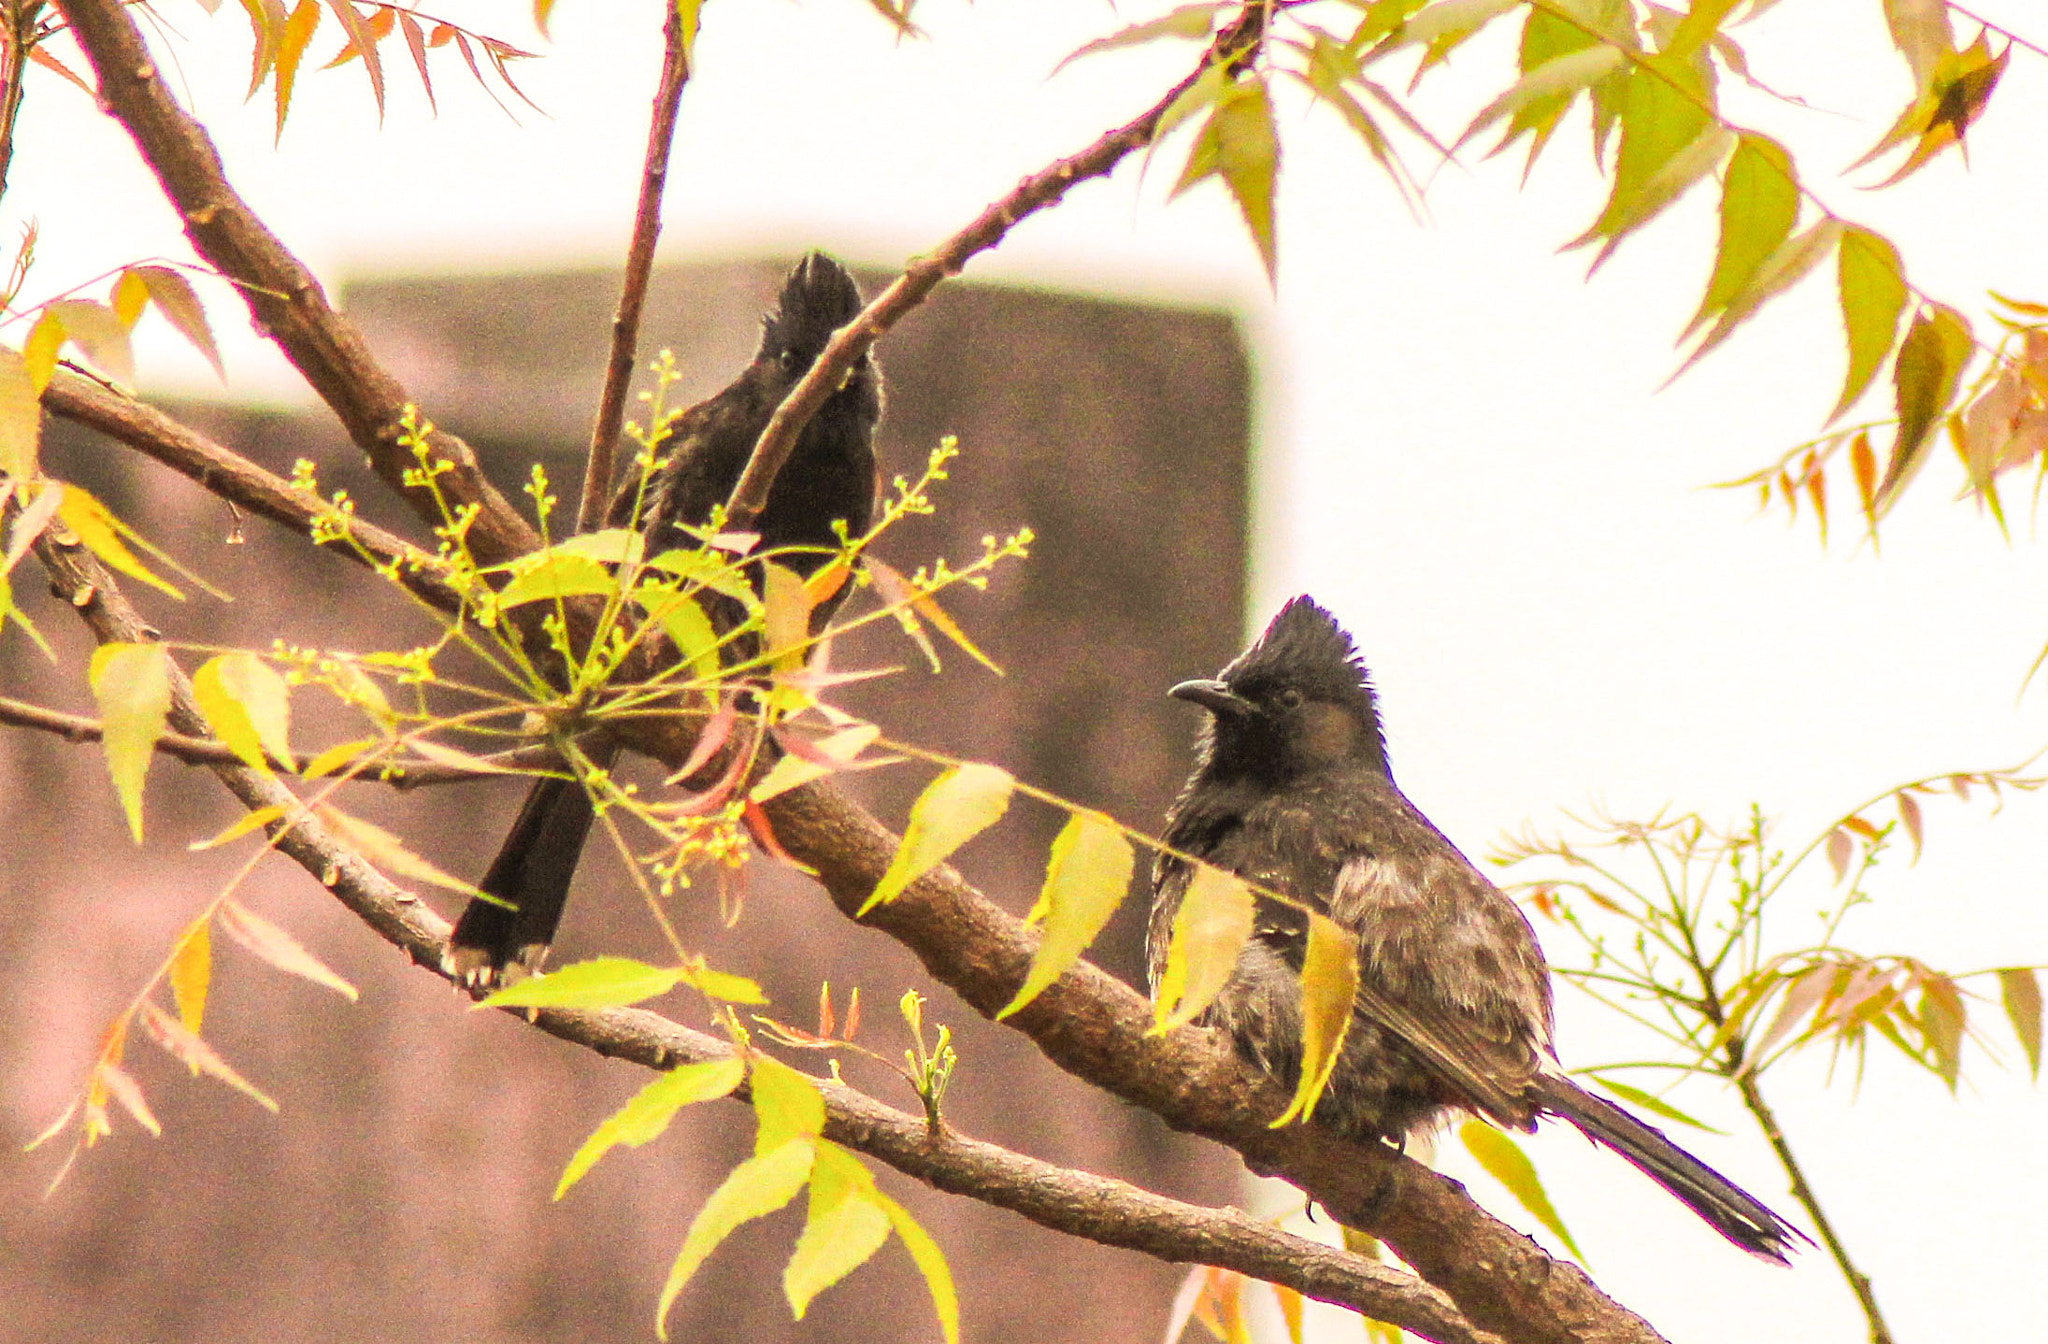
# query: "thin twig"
618, 373
1233, 45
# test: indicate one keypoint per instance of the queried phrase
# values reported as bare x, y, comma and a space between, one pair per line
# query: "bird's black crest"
1305, 645
818, 298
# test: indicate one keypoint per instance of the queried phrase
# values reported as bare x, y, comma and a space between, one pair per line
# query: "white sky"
1463, 451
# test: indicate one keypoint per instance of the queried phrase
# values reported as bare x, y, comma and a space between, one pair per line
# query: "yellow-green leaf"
1085, 880
1930, 364
385, 849
1873, 293
129, 298
1651, 1102
191, 972
101, 532
98, 334
650, 1110
1941, 1024
1447, 24
1505, 1161
1212, 924
173, 296
1759, 205
279, 948
787, 1104
1247, 150
240, 827
708, 569
1552, 85
1668, 183
21, 417
337, 756
722, 984
1189, 22
1787, 264
1661, 114
758, 1186
247, 704
1329, 987
845, 1225
600, 982
2021, 990
960, 804
555, 574
785, 614
931, 1262
132, 683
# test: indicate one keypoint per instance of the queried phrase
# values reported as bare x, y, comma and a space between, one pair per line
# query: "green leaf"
756, 1187
931, 1262
1656, 1105
385, 849
687, 627
1085, 880
1212, 924
1190, 22
1699, 26
2021, 990
787, 1104
612, 545
1785, 267
555, 574
21, 417
711, 569
1873, 295
94, 329
1930, 364
132, 683
1505, 1161
1548, 90
1239, 144
960, 804
102, 534
600, 982
651, 1109
1662, 109
1668, 183
247, 704
846, 1224
1446, 25
1329, 990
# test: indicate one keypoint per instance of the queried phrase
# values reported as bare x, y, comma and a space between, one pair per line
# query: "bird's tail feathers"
1723, 1205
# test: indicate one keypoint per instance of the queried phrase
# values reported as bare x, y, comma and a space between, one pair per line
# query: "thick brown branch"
1036, 192
241, 482
1100, 1209
618, 373
284, 299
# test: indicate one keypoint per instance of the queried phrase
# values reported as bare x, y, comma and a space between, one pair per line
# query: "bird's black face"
818, 298
1295, 702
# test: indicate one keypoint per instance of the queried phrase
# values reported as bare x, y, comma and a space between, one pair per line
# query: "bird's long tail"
1725, 1206
530, 877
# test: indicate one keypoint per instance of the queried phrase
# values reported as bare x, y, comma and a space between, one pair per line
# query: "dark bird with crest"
1293, 793
829, 477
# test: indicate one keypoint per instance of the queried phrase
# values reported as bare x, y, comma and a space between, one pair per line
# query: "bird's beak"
1214, 696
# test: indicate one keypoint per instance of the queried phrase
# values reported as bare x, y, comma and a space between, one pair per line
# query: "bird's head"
1296, 701
818, 298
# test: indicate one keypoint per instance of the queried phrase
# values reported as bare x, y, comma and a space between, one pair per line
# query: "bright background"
1463, 450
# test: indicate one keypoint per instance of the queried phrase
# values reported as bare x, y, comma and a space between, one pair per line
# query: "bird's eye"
791, 361
1289, 699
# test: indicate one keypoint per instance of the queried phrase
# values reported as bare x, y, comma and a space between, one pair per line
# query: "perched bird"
1292, 792
829, 476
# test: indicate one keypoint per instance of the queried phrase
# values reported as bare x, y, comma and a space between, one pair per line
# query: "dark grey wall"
402, 1193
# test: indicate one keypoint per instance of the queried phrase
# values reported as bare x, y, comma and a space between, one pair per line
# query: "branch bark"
284, 299
618, 374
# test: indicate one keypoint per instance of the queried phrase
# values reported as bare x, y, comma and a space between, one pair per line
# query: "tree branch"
1236, 43
618, 373
236, 479
1112, 1212
283, 298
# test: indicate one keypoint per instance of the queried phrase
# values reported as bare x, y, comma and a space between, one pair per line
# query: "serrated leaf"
844, 1226
1656, 1105
240, 827
708, 569
554, 574
291, 46
1930, 364
647, 1115
1554, 84
1785, 267
1800, 998
1759, 205
186, 1047
1248, 158
386, 850
1873, 295
787, 1104
1189, 22
960, 804
266, 23
1329, 989
279, 948
1920, 31
1941, 1024
1505, 1161
756, 1187
248, 705
1661, 114
600, 982
39, 349
1444, 26
1086, 876
1663, 187
785, 615
191, 971
416, 45
102, 533
2020, 988
1209, 929
132, 684
98, 334
129, 297
21, 417
173, 296
337, 756
364, 43
930, 1262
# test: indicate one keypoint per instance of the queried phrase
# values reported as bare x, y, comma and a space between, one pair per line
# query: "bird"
829, 477
1292, 792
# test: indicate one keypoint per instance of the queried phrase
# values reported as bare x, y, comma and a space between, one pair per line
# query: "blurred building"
402, 1193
